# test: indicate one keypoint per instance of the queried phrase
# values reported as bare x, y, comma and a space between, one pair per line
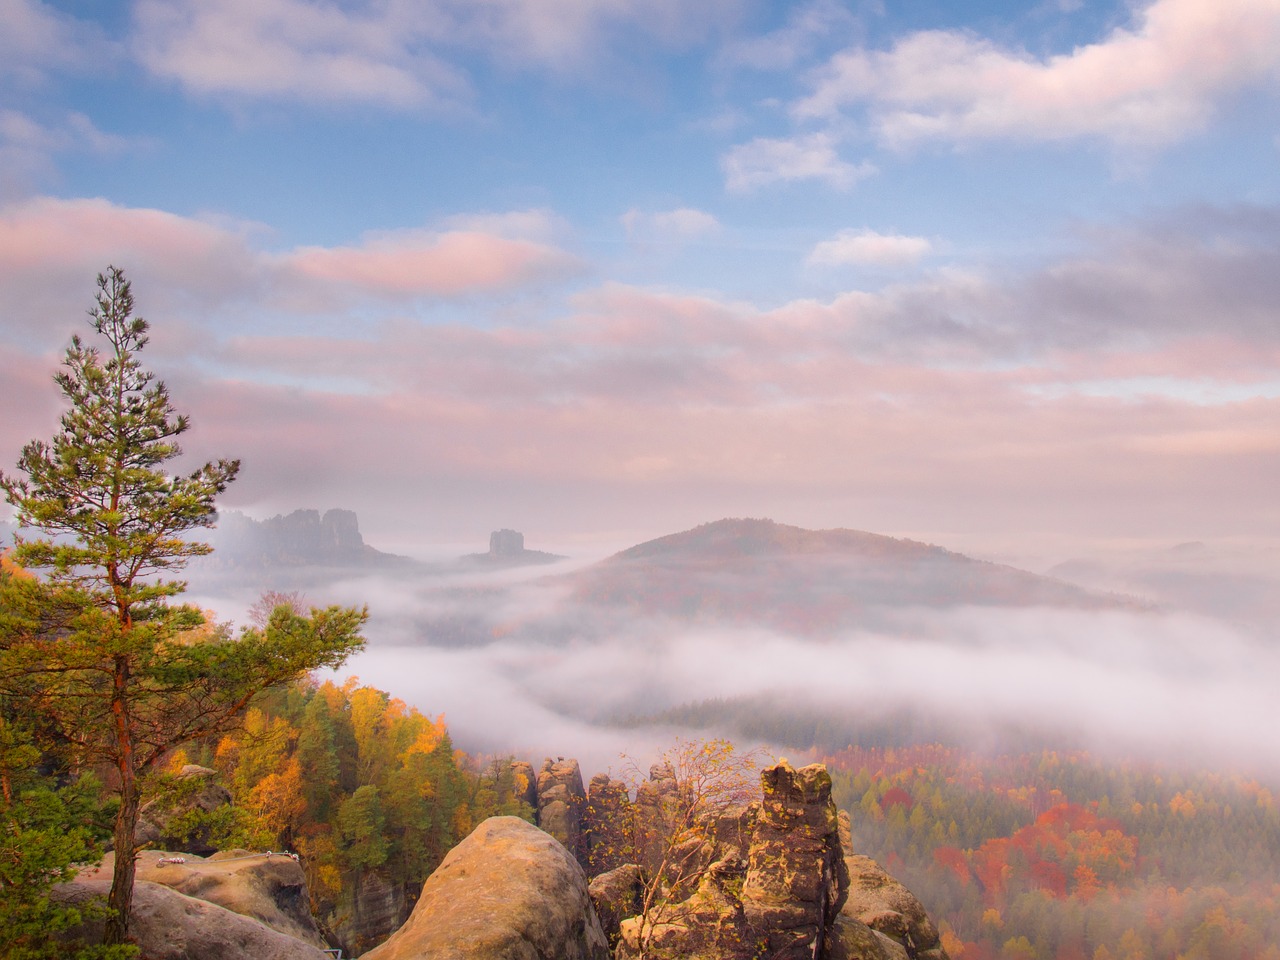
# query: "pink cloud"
1143, 85
414, 263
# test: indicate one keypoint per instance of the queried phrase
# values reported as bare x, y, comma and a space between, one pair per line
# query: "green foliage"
45, 834
115, 672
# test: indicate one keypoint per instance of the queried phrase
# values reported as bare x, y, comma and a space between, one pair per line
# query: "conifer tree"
106, 658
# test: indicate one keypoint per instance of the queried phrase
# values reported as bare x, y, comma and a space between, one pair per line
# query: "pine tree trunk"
120, 900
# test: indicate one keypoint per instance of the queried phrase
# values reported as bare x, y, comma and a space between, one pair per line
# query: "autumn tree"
98, 648
678, 818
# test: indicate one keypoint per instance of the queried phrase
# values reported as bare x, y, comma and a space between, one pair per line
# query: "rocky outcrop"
524, 783
654, 806
886, 906
507, 892
301, 538
851, 940
168, 925
372, 911
506, 549
561, 801
617, 895
796, 876
270, 889
770, 879
175, 823
605, 822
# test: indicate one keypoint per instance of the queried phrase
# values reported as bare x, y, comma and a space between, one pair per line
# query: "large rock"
561, 800
850, 939
885, 905
168, 925
617, 895
796, 878
524, 783
372, 910
269, 889
507, 892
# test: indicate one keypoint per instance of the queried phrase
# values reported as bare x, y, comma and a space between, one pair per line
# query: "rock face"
617, 895
198, 793
170, 926
507, 892
796, 876
889, 908
561, 802
772, 881
375, 910
271, 890
300, 538
525, 783
506, 543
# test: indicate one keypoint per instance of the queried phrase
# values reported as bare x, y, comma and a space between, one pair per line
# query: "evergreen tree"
103, 655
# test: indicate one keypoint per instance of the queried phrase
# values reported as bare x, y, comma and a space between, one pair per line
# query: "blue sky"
606, 268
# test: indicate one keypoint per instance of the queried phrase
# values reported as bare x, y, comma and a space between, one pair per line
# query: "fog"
520, 664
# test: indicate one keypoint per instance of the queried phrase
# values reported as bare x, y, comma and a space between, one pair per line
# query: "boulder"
561, 800
617, 895
885, 905
851, 940
796, 877
271, 889
168, 925
509, 891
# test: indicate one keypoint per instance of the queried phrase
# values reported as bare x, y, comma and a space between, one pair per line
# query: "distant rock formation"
303, 538
507, 891
506, 549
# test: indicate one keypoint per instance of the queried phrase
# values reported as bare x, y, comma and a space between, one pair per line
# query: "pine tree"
106, 657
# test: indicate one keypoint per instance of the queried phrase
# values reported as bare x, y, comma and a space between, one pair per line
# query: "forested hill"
810, 580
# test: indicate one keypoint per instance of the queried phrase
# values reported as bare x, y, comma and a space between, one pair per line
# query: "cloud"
806, 27
680, 224
291, 49
414, 263
396, 54
852, 247
764, 161
38, 39
545, 677
27, 145
1143, 85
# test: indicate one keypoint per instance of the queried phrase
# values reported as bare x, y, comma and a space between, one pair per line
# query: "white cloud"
681, 223
1142, 85
764, 161
402, 54
867, 246
37, 38
290, 49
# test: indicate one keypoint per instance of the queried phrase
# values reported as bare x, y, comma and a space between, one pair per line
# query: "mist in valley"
531, 661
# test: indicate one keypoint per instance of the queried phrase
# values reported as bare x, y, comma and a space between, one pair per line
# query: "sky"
1003, 276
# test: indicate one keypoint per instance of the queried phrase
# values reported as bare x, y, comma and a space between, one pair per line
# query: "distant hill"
809, 581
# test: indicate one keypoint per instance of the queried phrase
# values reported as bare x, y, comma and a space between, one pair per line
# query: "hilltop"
763, 572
